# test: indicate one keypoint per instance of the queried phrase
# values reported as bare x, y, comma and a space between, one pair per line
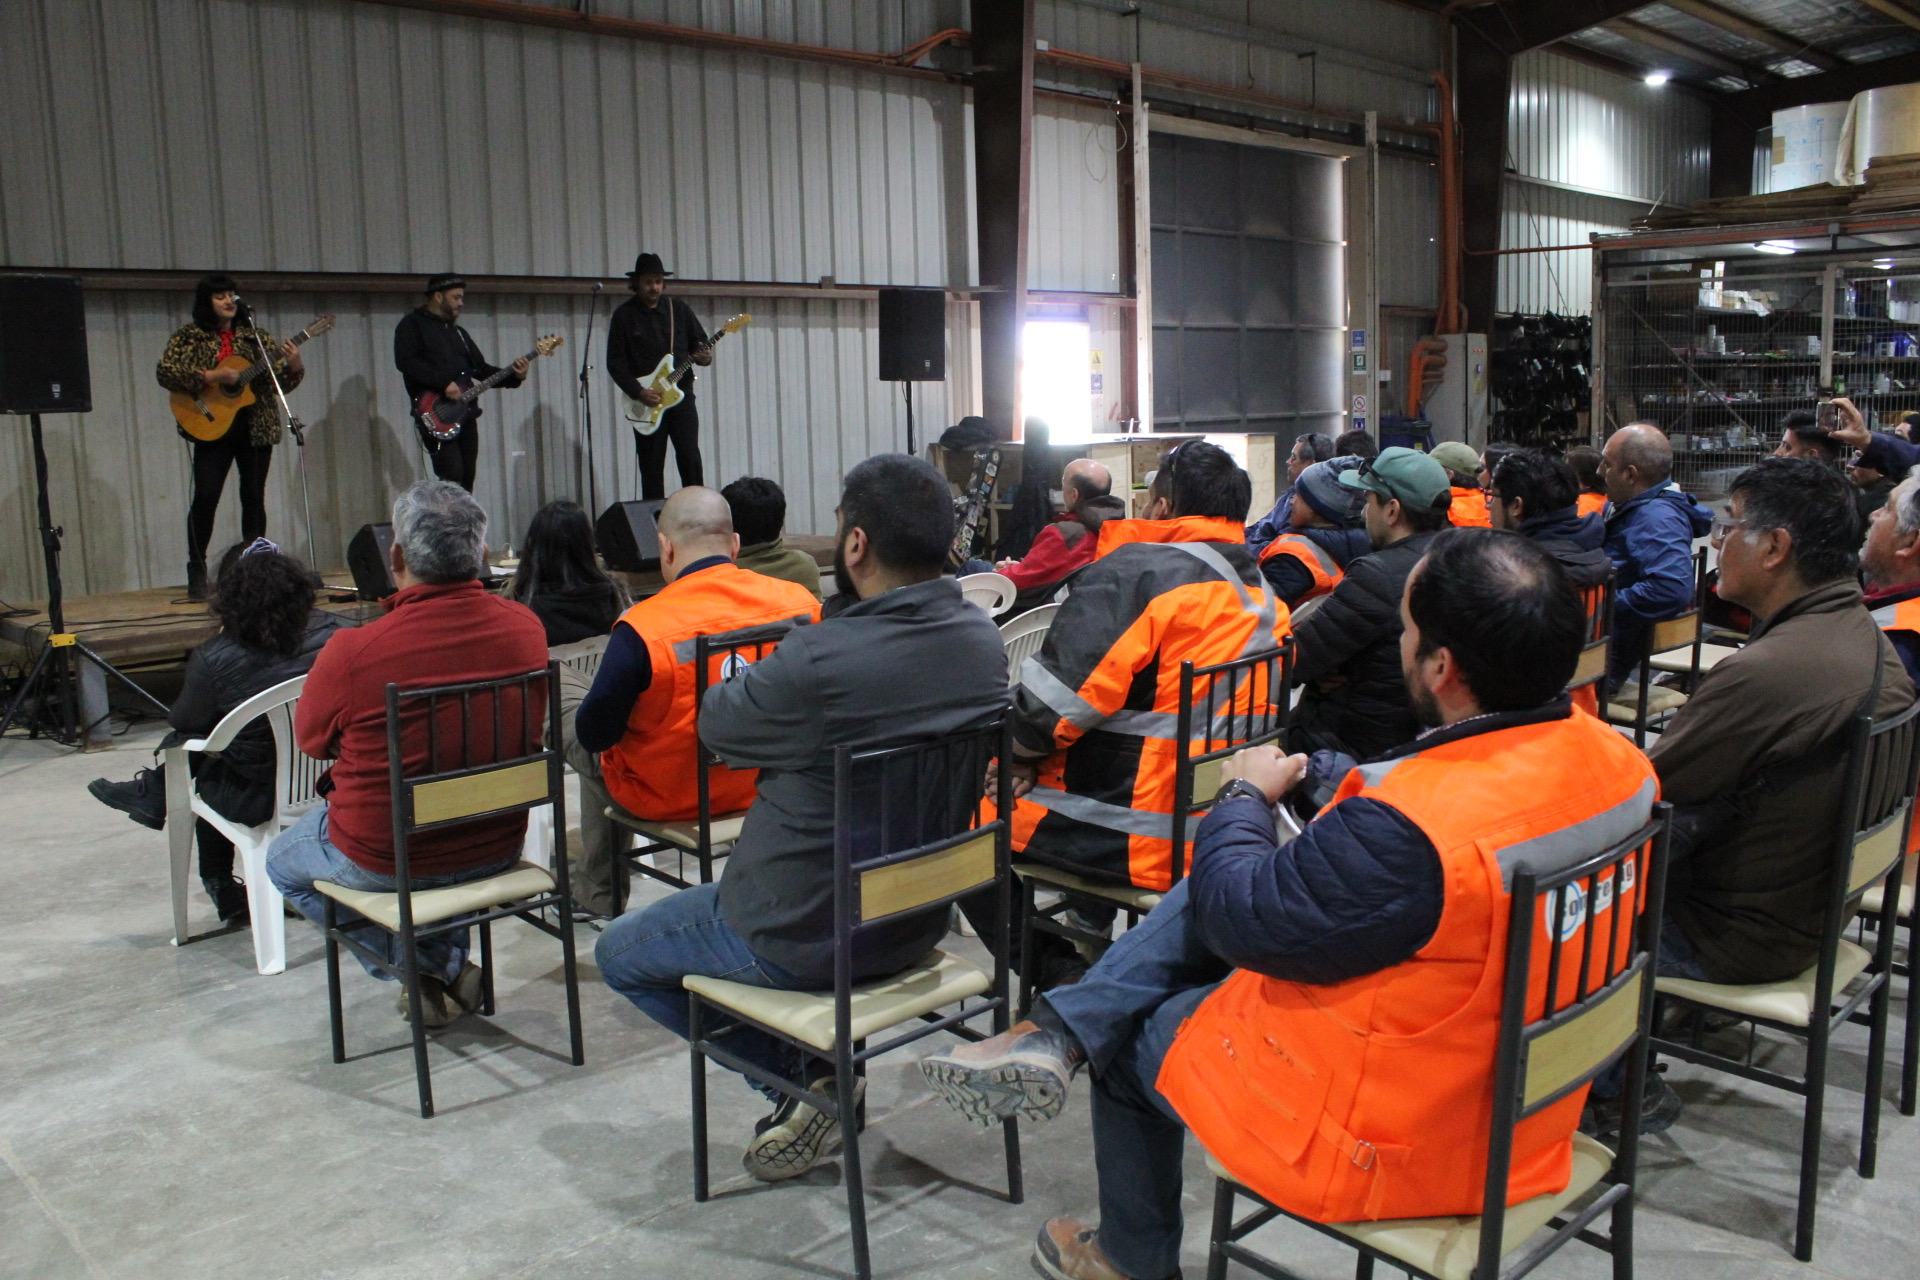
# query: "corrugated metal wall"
1625, 144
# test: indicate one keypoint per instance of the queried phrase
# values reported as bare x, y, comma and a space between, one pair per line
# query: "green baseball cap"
1456, 457
1407, 474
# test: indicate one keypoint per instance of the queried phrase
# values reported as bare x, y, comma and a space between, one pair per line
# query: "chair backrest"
993, 592
1024, 635
1578, 993
1223, 708
295, 775
910, 832
1876, 815
1592, 666
715, 658
484, 758
582, 656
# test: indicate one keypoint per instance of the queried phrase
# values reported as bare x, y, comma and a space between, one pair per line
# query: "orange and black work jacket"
653, 770
1372, 1097
1102, 696
1305, 564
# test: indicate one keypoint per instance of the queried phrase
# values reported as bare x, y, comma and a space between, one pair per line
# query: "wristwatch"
1241, 787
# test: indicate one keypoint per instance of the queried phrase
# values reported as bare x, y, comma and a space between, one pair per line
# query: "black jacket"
638, 336
1353, 698
431, 352
915, 663
1576, 541
221, 674
576, 613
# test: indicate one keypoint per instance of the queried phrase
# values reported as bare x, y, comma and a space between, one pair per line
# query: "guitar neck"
259, 366
499, 376
688, 363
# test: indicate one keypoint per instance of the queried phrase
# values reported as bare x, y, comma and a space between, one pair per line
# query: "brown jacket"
1752, 901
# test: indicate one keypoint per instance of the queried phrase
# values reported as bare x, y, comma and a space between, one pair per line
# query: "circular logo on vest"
1573, 910
733, 666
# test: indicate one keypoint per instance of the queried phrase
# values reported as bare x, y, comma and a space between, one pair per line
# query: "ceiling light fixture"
1775, 246
1658, 78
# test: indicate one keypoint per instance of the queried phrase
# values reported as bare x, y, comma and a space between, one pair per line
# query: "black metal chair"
1222, 708
1877, 804
478, 766
1591, 669
1592, 1009
1872, 905
1665, 637
908, 838
708, 836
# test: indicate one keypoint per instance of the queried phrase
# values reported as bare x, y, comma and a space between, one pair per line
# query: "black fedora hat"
648, 264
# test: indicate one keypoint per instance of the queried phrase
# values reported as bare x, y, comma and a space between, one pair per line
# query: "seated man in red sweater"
442, 627
1068, 543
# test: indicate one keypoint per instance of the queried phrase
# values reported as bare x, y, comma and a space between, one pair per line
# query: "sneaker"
144, 799
436, 1009
469, 989
1068, 1249
1023, 1071
797, 1136
1660, 1106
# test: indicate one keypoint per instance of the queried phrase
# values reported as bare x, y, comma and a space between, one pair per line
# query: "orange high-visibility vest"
1902, 616
1590, 504
1373, 1098
653, 771
1326, 574
1469, 510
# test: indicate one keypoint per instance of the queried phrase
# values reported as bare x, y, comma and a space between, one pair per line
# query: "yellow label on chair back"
1875, 856
906, 885
1591, 666
1674, 632
1558, 1057
479, 793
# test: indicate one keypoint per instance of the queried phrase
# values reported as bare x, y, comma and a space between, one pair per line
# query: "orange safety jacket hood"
1373, 1098
1120, 533
653, 772
1469, 509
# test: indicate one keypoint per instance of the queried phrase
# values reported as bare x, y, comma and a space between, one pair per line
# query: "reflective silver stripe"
1376, 773
1327, 565
1098, 813
1557, 850
683, 651
1053, 691
1218, 563
1887, 615
1145, 724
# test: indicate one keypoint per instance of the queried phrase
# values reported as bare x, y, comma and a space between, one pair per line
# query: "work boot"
229, 898
468, 990
1660, 1106
797, 1136
196, 580
1068, 1249
437, 1008
144, 799
1023, 1071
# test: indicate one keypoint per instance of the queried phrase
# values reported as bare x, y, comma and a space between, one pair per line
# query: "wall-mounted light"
1775, 246
1658, 78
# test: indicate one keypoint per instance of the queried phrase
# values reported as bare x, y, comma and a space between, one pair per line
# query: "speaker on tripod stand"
43, 369
913, 342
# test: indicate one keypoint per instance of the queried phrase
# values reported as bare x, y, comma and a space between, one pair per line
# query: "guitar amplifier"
627, 538
368, 558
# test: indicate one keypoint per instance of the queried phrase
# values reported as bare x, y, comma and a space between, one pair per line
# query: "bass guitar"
442, 416
665, 379
209, 414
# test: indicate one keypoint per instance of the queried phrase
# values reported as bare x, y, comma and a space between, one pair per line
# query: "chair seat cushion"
1449, 1247
1660, 700
1127, 896
1789, 1002
1873, 899
939, 980
523, 880
724, 829
1682, 659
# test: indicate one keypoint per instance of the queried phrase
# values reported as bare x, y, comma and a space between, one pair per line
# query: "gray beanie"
1320, 485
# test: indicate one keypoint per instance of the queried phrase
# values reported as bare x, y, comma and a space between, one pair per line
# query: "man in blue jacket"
1650, 537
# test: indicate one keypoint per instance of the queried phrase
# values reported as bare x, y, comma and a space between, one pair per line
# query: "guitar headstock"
320, 325
549, 344
736, 324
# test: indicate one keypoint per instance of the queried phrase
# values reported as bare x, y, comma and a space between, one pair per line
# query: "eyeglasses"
1724, 525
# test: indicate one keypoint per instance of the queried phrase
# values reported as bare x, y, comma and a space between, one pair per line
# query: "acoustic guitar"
442, 416
210, 414
665, 379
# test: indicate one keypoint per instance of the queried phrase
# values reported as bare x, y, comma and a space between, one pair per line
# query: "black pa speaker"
627, 537
367, 557
913, 335
43, 346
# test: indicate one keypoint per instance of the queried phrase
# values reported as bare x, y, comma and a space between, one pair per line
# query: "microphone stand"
294, 425
586, 400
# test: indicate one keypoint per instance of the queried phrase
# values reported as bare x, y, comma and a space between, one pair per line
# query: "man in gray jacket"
910, 660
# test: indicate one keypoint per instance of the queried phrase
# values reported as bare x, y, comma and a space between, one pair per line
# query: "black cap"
648, 264
444, 281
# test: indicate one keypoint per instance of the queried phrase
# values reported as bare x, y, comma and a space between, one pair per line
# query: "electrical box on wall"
1457, 405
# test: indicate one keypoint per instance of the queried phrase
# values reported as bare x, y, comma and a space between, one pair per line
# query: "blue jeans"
1125, 1014
302, 855
1677, 959
646, 952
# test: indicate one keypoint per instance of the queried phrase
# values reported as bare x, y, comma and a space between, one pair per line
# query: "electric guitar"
441, 416
665, 379
973, 505
209, 414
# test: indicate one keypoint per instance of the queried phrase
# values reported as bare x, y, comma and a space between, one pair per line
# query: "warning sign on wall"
1099, 380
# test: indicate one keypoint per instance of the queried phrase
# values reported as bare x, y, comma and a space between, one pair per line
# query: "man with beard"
1294, 1002
909, 660
639, 715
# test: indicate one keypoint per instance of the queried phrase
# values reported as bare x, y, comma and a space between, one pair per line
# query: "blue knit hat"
1320, 485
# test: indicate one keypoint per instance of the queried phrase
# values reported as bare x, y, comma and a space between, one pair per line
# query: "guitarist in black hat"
643, 329
433, 353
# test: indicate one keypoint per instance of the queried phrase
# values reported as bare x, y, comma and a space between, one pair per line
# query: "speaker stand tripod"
60, 666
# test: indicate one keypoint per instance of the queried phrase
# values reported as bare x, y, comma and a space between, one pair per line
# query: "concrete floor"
167, 1112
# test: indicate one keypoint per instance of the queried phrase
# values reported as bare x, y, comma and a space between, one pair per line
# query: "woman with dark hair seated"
269, 632
559, 580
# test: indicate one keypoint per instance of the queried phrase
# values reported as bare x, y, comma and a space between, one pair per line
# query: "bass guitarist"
433, 353
641, 331
189, 366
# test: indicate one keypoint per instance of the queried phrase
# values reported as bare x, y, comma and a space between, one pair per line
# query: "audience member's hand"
1001, 566
1853, 426
1266, 768
1023, 776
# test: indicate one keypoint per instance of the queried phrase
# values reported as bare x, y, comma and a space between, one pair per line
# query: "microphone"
598, 285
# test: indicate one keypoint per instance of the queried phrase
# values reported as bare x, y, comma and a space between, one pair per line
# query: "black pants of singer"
456, 459
682, 426
212, 459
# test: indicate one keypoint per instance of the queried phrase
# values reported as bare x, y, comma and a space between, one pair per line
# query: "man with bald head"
1067, 545
639, 715
1650, 537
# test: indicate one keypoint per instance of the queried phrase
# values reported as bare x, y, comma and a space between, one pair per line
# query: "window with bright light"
1056, 381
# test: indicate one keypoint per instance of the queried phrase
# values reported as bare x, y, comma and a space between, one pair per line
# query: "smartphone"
1826, 416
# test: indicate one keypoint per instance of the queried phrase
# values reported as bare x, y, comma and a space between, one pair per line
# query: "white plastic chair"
1023, 637
993, 592
582, 655
294, 777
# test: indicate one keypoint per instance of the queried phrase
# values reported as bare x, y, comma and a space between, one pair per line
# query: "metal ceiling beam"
1515, 26
1653, 37
1632, 70
1896, 10
1831, 86
1759, 32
